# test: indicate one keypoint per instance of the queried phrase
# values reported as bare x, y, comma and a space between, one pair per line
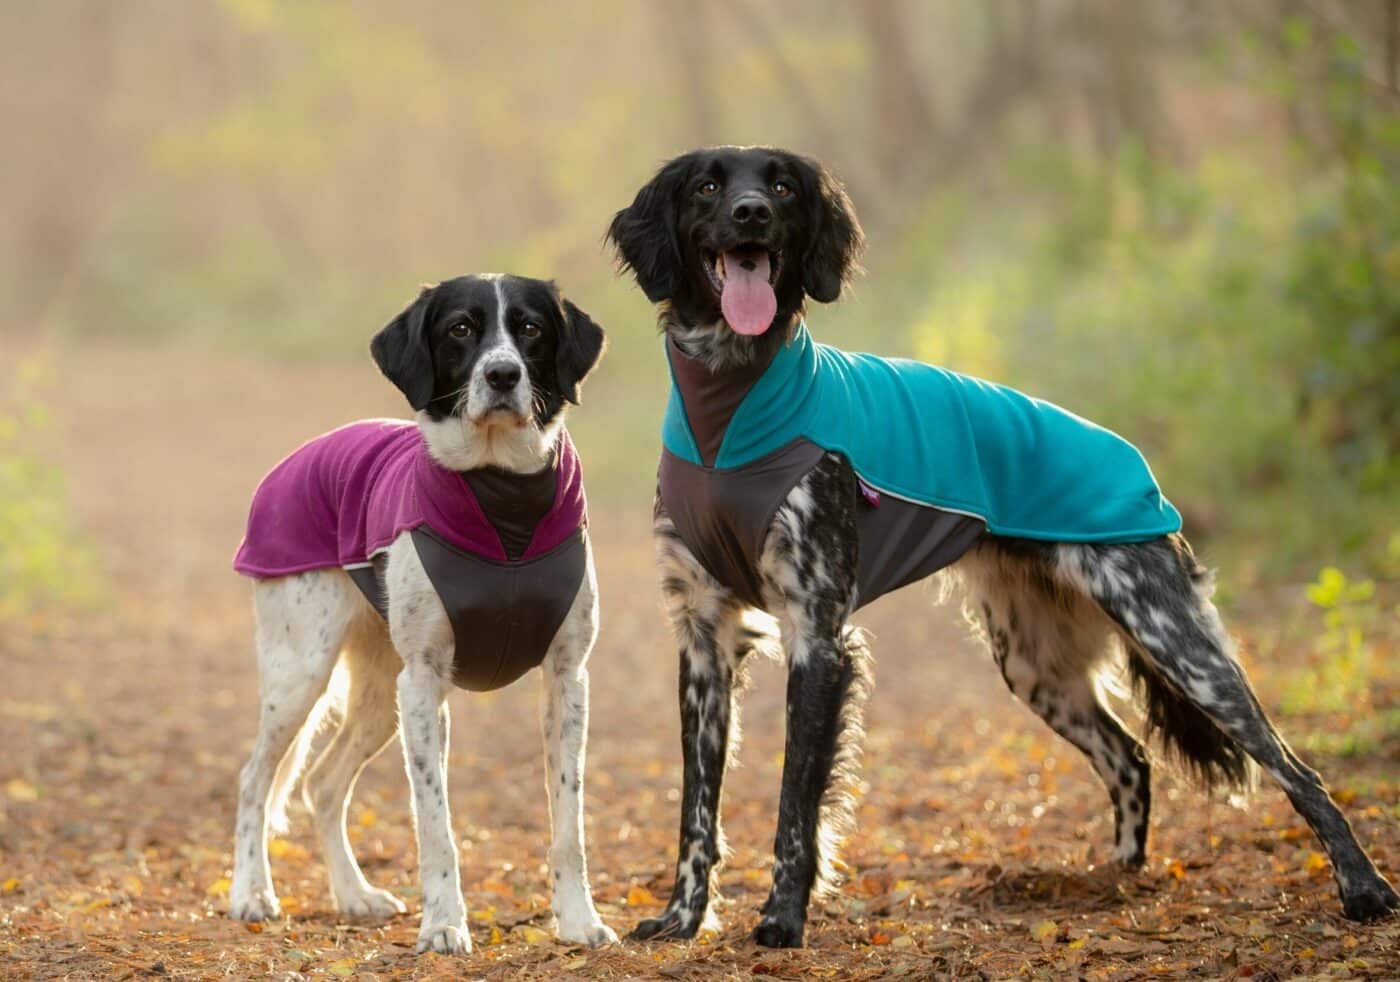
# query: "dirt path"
977, 844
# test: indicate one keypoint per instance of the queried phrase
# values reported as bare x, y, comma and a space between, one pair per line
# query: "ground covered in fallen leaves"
980, 844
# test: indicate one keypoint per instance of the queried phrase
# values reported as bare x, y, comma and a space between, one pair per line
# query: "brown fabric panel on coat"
367, 579
723, 517
901, 542
504, 615
711, 399
514, 503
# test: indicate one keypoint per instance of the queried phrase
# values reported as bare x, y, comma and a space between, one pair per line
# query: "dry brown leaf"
640, 896
290, 851
21, 790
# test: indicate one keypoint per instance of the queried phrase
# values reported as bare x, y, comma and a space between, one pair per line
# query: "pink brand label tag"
871, 496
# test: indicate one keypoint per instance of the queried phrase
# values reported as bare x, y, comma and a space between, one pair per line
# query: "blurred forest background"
1178, 218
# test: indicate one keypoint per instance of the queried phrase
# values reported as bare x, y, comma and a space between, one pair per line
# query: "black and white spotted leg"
1160, 596
565, 724
809, 572
1048, 643
422, 634
708, 623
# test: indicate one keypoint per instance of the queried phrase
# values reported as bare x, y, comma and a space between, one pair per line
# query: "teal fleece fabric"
1028, 468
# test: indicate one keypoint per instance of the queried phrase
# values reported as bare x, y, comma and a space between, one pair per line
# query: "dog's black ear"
833, 254
580, 347
401, 351
646, 236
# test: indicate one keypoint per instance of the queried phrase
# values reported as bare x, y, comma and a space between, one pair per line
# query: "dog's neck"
720, 349
461, 445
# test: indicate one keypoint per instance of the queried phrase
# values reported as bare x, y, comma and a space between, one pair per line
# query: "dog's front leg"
423, 716
820, 682
707, 621
424, 719
809, 569
565, 719
422, 635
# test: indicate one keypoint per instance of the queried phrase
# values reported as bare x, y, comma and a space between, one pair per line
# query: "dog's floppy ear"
646, 236
402, 354
833, 254
580, 347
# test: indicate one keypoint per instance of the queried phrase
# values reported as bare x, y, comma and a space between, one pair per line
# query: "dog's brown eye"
531, 331
708, 188
461, 330
782, 189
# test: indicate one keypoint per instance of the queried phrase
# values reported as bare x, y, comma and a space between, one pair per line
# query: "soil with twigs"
981, 844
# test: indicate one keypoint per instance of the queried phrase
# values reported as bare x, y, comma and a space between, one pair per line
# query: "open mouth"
743, 277
744, 257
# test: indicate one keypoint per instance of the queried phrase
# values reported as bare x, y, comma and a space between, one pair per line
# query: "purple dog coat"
505, 552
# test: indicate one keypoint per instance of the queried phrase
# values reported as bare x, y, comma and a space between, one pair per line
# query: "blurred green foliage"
1348, 669
1239, 321
43, 560
1179, 220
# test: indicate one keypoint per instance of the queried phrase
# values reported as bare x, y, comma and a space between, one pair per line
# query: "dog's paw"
1371, 902
373, 904
774, 932
670, 926
252, 906
593, 933
1132, 862
445, 939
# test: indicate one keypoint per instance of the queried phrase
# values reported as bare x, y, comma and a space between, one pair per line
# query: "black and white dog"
1054, 613
488, 364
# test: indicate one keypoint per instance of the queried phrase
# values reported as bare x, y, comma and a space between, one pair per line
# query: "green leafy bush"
42, 561
1348, 672
1240, 322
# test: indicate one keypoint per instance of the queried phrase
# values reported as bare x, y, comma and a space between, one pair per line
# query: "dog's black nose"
751, 209
503, 377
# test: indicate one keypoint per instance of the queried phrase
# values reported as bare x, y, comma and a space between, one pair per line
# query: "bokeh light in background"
1176, 218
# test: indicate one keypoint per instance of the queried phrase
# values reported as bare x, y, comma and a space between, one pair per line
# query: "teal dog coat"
940, 457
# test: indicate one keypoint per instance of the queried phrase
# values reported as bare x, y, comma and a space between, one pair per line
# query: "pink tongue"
748, 302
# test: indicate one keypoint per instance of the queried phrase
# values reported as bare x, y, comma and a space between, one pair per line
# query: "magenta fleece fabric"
343, 496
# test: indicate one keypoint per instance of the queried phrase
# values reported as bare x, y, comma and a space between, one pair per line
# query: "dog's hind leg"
1160, 597
301, 623
809, 570
370, 720
709, 628
565, 725
1049, 642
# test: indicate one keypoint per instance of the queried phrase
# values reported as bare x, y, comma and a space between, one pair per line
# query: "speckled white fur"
325, 654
